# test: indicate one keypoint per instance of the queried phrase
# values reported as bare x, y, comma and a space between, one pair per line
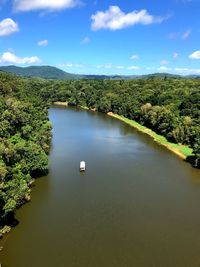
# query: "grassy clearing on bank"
180, 150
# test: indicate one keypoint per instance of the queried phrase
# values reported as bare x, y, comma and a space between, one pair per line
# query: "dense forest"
25, 135
168, 105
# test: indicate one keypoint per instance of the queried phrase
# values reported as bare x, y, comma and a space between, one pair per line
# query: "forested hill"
49, 72
46, 72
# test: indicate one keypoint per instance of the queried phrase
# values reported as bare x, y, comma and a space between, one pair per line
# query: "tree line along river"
137, 204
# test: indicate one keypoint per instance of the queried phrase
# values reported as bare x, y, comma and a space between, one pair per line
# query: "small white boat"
82, 166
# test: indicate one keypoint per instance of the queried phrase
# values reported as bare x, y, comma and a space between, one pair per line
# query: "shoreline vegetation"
180, 150
25, 141
170, 106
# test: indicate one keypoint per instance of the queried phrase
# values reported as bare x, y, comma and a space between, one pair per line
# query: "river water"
137, 204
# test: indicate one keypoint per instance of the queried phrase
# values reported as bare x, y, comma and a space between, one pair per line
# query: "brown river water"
137, 204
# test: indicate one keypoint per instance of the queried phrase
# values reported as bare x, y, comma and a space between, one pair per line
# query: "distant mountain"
161, 75
48, 72
194, 76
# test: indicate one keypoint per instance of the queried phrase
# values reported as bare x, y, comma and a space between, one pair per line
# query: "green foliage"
6, 229
25, 136
170, 106
45, 72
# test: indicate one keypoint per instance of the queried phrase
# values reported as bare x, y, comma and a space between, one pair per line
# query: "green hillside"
49, 72
46, 72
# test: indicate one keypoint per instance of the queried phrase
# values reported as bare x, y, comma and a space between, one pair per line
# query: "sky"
125, 37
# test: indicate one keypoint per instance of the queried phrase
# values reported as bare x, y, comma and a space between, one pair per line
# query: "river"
137, 204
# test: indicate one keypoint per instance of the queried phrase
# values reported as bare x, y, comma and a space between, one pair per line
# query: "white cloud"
133, 68
71, 65
68, 65
186, 34
105, 66
182, 70
164, 62
51, 5
119, 67
114, 19
43, 43
183, 35
11, 58
150, 68
109, 66
135, 57
163, 68
8, 27
85, 40
195, 55
175, 55
187, 71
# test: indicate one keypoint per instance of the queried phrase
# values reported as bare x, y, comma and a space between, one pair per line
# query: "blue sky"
102, 37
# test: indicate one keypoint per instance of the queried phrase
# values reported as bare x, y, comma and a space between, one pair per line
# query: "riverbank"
90, 109
125, 175
180, 150
66, 104
59, 103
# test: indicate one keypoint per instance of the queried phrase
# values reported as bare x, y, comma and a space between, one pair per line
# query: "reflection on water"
137, 204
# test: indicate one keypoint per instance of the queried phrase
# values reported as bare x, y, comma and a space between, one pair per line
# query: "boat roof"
82, 163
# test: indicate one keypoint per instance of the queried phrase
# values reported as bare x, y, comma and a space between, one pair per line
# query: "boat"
82, 166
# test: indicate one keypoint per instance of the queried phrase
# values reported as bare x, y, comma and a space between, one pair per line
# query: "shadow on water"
10, 220
193, 161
